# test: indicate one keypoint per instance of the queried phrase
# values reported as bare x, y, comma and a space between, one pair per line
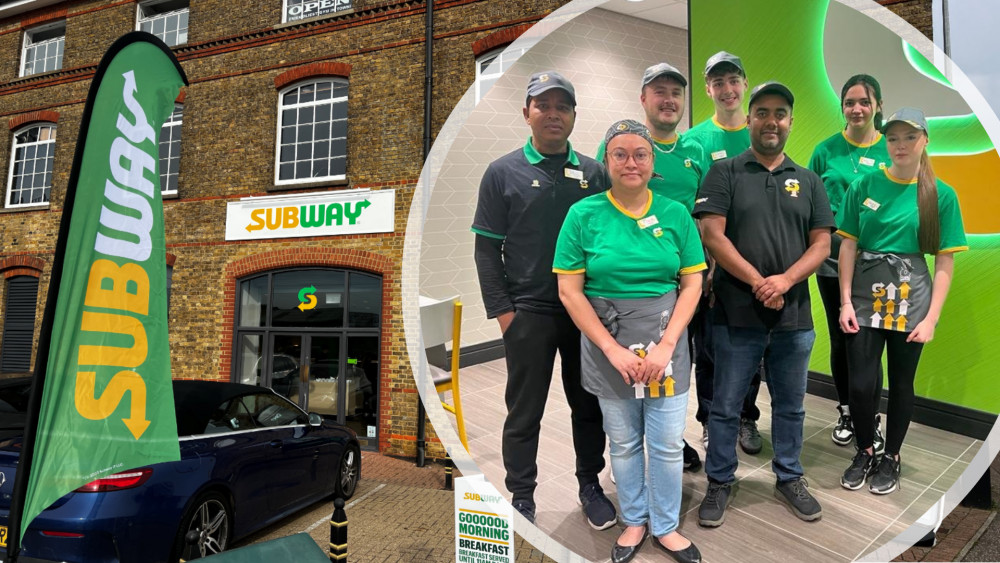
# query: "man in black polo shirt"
523, 199
767, 222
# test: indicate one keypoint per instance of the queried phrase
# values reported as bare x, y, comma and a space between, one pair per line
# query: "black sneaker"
692, 462
749, 436
843, 432
795, 494
885, 479
861, 468
600, 513
878, 442
712, 512
526, 507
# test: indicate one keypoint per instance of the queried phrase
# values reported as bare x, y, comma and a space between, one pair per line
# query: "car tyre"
206, 528
349, 472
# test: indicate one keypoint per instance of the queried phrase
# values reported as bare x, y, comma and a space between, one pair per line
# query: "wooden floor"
758, 527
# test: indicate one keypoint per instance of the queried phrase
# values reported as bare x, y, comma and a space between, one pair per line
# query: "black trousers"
829, 292
704, 367
865, 359
531, 342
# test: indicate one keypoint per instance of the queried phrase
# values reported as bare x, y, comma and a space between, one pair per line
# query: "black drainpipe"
428, 91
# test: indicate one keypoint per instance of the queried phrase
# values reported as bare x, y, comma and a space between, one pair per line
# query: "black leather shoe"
689, 554
624, 554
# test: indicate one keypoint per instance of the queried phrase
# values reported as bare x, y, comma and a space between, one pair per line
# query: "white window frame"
171, 131
316, 8
30, 43
51, 140
145, 14
487, 73
332, 102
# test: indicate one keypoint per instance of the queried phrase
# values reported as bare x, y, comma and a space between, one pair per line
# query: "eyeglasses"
641, 157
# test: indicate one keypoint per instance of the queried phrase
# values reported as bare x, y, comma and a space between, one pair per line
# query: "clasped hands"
771, 290
634, 369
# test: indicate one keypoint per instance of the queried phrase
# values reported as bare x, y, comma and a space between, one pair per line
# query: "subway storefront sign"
329, 214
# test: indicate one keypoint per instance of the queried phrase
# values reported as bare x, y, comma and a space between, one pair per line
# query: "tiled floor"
758, 527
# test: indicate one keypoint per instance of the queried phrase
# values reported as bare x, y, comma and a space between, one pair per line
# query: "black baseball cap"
772, 87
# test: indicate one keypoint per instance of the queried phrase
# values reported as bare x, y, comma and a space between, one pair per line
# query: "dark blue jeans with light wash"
786, 361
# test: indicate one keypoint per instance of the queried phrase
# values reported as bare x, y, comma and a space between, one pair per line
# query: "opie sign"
299, 9
329, 214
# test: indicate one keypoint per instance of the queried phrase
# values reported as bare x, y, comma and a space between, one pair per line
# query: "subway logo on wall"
329, 214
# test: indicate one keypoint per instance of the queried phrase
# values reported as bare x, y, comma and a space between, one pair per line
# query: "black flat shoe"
689, 554
624, 554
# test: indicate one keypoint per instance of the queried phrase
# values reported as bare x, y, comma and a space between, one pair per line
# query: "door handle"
276, 443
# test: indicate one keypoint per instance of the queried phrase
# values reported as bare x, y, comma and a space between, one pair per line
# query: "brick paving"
402, 513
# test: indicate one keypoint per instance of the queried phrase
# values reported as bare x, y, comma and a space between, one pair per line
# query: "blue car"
249, 457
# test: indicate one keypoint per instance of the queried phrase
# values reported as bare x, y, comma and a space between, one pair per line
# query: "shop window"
167, 20
18, 324
170, 150
32, 161
485, 76
312, 132
313, 335
43, 49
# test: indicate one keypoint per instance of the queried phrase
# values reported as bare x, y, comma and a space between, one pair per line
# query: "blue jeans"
653, 496
786, 362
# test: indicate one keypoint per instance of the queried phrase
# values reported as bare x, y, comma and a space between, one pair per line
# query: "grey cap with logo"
663, 69
910, 116
542, 82
723, 57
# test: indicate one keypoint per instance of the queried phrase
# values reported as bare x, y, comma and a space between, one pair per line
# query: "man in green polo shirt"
680, 162
523, 198
725, 134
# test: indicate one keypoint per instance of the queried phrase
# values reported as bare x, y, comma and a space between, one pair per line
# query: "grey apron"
890, 291
636, 324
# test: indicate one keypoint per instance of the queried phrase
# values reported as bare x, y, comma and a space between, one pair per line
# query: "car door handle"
276, 443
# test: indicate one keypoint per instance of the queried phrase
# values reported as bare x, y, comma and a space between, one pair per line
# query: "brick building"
298, 102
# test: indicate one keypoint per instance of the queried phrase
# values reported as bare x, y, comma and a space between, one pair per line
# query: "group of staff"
611, 261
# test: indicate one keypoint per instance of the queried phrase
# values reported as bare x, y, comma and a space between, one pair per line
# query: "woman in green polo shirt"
629, 264
889, 220
839, 160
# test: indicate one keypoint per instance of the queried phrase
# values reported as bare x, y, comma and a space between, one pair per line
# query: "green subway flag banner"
107, 401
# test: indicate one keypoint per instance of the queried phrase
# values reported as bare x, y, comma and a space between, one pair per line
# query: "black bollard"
447, 472
338, 532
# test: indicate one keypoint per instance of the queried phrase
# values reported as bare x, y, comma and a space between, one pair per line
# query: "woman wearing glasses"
629, 264
888, 301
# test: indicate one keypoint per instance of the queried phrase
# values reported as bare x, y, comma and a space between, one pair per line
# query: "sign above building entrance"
329, 214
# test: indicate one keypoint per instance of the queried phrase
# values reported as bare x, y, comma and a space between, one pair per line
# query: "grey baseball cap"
663, 69
723, 57
911, 116
771, 87
544, 81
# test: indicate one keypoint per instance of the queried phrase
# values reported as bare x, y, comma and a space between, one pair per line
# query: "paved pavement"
967, 534
402, 513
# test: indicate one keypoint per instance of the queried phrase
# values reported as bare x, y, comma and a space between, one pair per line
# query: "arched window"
31, 164
312, 132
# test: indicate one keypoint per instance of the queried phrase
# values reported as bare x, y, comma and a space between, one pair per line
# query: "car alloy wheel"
207, 528
350, 472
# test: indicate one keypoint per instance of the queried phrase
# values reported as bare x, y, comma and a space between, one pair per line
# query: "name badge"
866, 161
573, 173
647, 222
871, 204
717, 155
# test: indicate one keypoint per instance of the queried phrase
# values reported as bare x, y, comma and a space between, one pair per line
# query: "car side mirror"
315, 419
